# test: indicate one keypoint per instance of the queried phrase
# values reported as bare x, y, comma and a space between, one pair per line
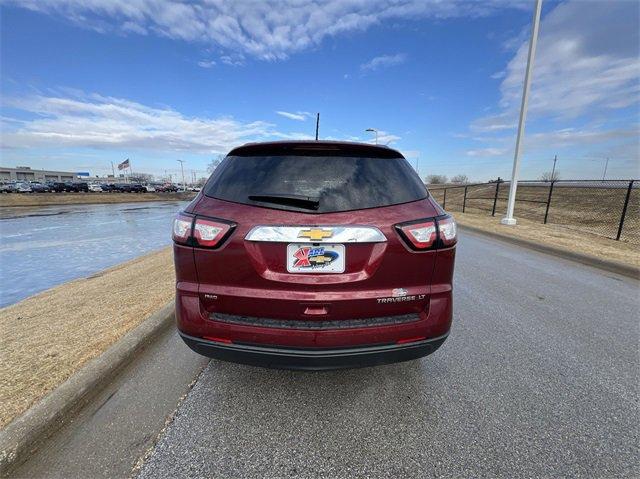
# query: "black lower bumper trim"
313, 359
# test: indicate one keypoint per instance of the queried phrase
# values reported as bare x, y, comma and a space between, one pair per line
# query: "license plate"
306, 258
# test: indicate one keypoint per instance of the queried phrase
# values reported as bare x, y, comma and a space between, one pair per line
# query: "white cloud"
587, 62
95, 121
299, 115
567, 137
131, 27
270, 29
235, 60
384, 138
585, 90
608, 141
383, 61
206, 63
487, 152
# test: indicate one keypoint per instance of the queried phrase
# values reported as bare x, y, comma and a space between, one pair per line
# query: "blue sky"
88, 83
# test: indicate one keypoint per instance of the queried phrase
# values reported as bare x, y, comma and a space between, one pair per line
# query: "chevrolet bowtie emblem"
315, 234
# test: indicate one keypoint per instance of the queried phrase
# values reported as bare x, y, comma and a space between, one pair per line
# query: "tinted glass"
338, 183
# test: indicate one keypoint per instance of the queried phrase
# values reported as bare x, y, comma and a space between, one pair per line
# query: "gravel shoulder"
49, 336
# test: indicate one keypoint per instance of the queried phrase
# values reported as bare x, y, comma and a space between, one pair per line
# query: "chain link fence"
608, 208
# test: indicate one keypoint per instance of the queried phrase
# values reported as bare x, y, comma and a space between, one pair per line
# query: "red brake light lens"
430, 233
200, 232
182, 228
420, 235
208, 233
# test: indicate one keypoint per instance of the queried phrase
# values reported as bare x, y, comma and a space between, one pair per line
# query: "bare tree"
460, 179
213, 164
550, 176
436, 179
141, 178
201, 181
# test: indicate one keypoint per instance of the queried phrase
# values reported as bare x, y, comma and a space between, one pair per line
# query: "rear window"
330, 183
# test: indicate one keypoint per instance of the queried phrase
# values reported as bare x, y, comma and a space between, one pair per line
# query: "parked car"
314, 255
23, 187
38, 187
108, 187
94, 188
149, 188
79, 186
130, 188
9, 187
58, 186
168, 188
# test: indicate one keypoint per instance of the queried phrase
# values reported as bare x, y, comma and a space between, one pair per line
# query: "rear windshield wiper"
298, 201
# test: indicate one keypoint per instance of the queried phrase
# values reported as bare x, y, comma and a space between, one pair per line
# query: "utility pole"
553, 171
317, 125
606, 165
509, 219
184, 186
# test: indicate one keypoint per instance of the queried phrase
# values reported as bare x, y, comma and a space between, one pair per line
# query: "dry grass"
594, 210
48, 199
49, 336
571, 240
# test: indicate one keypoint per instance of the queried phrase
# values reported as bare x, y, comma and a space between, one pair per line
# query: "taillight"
448, 230
430, 233
200, 232
182, 228
208, 233
420, 235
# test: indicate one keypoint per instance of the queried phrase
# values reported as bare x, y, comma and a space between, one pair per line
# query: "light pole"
553, 170
184, 186
606, 165
509, 219
373, 130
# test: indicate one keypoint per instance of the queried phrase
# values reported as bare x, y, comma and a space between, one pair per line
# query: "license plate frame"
317, 259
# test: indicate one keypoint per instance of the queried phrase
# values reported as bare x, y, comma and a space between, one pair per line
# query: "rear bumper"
313, 359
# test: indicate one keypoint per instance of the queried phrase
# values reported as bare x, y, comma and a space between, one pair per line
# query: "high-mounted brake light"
430, 233
200, 232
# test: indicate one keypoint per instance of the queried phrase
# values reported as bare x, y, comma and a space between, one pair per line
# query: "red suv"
314, 255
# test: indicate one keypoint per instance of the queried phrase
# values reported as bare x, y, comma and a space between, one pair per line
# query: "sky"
88, 83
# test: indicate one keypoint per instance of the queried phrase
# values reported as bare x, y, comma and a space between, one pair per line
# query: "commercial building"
25, 173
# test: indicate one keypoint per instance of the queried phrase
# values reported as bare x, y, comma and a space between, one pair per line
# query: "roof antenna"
317, 124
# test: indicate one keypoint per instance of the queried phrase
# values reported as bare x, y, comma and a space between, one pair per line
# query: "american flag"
124, 164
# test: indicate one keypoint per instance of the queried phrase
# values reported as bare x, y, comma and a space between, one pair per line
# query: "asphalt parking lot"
539, 378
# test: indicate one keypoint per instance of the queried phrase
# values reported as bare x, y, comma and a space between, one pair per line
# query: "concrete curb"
23, 435
612, 266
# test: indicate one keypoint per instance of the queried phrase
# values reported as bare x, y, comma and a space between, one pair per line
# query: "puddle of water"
44, 247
